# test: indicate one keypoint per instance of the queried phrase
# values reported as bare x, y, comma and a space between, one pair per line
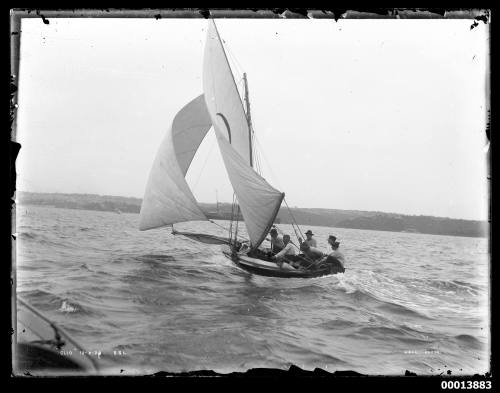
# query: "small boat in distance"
168, 199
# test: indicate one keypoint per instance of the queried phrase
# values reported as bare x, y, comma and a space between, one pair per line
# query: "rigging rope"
295, 222
223, 227
231, 222
235, 205
269, 166
257, 158
237, 64
255, 151
237, 225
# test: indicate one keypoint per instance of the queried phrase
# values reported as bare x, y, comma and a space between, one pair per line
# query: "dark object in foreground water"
31, 357
42, 347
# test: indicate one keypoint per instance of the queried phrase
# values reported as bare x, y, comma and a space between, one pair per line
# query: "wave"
146, 301
37, 294
207, 289
413, 328
144, 278
385, 331
396, 333
153, 258
466, 284
72, 307
468, 340
67, 307
338, 323
27, 235
141, 261
314, 354
86, 267
399, 309
50, 302
46, 240
459, 287
366, 297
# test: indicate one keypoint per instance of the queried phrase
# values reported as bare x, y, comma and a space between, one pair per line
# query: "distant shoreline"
351, 219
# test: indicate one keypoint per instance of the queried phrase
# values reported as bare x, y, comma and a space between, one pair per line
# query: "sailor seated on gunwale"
287, 251
309, 239
309, 257
276, 243
336, 259
311, 252
243, 246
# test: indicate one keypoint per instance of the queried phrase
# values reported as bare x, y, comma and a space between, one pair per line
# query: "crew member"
288, 251
311, 252
276, 242
310, 240
336, 259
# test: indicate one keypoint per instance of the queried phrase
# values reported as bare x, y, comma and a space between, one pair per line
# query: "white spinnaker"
258, 201
168, 199
222, 97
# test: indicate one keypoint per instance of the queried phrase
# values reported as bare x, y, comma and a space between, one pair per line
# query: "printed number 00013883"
465, 384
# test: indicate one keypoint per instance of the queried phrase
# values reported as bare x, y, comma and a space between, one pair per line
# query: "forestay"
168, 199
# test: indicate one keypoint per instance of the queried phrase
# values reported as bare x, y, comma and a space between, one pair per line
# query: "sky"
378, 115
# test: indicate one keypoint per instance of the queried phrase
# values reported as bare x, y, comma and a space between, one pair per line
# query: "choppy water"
149, 301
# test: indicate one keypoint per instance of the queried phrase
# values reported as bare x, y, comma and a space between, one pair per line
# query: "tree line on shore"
305, 216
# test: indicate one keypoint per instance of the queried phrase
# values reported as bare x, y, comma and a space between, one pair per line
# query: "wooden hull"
271, 269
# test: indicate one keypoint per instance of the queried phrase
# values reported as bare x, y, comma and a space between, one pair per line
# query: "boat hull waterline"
271, 269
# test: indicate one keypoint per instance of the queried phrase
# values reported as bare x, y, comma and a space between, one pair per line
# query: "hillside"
304, 216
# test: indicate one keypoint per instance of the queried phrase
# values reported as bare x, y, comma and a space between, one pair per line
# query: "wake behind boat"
168, 199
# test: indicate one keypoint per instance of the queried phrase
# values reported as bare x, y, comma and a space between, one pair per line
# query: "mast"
217, 199
249, 117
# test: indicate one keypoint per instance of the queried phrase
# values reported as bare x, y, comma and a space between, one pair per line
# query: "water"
149, 301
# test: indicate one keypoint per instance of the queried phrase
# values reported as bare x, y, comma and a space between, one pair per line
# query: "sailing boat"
168, 199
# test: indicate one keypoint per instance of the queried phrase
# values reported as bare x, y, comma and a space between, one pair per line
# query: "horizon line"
292, 207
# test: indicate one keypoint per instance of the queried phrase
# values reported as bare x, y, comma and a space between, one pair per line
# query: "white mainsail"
168, 199
222, 97
258, 200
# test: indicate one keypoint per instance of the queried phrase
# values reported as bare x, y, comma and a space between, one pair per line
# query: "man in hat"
309, 239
